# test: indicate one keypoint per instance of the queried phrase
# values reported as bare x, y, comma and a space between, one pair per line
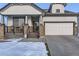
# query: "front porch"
23, 18
22, 26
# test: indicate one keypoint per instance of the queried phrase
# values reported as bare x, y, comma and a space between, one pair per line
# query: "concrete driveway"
63, 45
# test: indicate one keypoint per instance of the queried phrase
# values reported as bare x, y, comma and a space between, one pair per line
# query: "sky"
71, 7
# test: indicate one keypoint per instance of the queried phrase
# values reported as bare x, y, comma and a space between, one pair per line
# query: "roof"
55, 3
66, 11
32, 4
59, 3
61, 14
46, 11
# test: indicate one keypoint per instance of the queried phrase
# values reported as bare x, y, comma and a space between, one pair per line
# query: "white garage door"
58, 28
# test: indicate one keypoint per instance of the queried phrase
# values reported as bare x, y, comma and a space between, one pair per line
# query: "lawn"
15, 48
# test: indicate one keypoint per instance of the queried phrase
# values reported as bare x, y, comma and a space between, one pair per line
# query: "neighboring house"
29, 20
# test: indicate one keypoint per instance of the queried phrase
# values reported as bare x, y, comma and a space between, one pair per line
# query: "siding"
10, 21
20, 9
58, 6
60, 19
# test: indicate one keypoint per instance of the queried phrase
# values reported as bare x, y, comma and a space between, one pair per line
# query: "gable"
21, 9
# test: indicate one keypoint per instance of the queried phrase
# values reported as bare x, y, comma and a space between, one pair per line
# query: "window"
57, 10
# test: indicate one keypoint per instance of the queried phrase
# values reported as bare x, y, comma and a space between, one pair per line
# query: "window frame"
57, 10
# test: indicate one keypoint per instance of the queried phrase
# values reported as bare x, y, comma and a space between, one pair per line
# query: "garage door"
58, 28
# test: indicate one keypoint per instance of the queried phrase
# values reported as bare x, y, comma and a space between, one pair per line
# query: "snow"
14, 39
23, 49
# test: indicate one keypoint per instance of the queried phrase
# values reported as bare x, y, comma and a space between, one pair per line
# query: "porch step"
11, 35
33, 35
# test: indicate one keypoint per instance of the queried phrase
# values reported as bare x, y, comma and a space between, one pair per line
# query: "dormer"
57, 7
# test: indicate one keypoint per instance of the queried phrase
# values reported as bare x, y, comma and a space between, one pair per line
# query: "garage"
59, 28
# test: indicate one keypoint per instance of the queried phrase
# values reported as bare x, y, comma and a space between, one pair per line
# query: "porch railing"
12, 29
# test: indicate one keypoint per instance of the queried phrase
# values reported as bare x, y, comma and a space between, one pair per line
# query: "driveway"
63, 45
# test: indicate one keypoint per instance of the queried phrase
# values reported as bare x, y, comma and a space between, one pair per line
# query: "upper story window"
57, 10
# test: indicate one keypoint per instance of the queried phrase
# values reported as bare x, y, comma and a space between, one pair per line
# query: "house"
29, 20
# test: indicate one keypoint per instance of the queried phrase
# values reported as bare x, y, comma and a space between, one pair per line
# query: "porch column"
30, 24
25, 27
2, 30
41, 28
10, 23
2, 19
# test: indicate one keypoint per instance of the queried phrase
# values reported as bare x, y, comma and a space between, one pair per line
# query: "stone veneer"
30, 29
2, 32
41, 31
10, 29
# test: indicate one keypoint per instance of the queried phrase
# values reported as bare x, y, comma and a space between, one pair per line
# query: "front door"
35, 23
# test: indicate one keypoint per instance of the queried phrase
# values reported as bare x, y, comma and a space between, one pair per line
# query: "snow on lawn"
23, 49
14, 39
